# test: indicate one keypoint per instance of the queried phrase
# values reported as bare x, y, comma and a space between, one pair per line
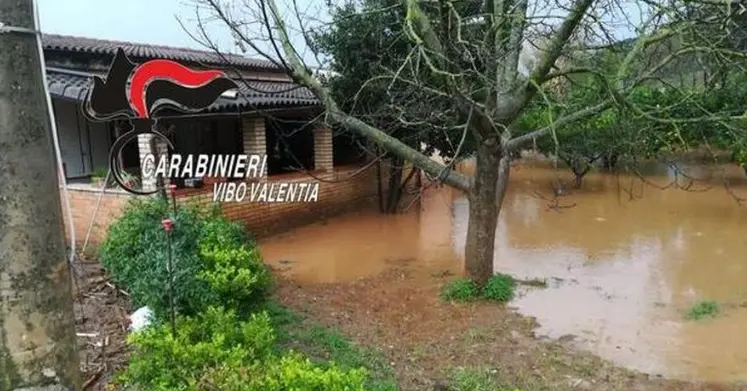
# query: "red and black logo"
139, 92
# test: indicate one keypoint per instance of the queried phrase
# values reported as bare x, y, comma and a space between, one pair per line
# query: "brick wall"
83, 200
262, 219
346, 193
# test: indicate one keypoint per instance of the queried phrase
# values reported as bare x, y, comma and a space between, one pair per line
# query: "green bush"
222, 341
218, 351
236, 274
499, 287
703, 309
161, 361
214, 260
461, 290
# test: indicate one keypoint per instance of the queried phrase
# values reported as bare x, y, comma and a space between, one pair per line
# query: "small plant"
129, 179
460, 290
472, 380
500, 288
99, 172
703, 309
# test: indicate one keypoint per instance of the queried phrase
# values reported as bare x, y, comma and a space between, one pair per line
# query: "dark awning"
254, 94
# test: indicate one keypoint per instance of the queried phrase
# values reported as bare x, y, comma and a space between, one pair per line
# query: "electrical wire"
55, 136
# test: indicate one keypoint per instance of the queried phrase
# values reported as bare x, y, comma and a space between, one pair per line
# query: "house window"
347, 149
290, 146
222, 137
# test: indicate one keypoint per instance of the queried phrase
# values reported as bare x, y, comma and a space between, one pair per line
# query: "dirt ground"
101, 314
424, 338
399, 313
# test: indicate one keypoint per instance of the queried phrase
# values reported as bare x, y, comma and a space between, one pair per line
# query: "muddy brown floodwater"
624, 261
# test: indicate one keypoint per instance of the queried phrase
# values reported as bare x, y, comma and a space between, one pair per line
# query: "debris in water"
600, 219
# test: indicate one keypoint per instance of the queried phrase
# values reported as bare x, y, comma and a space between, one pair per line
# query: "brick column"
255, 139
144, 148
323, 156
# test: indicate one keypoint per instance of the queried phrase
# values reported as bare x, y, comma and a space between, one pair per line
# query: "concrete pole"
38, 348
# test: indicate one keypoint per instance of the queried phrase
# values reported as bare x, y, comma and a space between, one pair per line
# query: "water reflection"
624, 263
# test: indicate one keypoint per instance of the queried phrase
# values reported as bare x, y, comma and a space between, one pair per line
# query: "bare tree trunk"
485, 200
579, 171
379, 187
578, 180
395, 182
38, 348
610, 161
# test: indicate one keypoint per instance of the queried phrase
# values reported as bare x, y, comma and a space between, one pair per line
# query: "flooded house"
269, 115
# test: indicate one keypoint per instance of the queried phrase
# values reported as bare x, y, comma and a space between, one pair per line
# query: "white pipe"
55, 136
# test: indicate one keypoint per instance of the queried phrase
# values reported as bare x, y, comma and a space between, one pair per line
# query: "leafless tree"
477, 63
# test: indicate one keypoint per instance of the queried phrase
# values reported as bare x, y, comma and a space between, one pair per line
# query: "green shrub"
703, 309
294, 372
463, 289
214, 260
499, 287
236, 274
218, 351
161, 361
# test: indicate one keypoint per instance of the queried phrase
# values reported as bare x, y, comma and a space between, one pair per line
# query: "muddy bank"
425, 339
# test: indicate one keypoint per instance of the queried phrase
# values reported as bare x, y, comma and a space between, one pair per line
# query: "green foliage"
232, 269
367, 45
659, 116
294, 372
218, 351
460, 290
703, 309
471, 380
99, 172
500, 288
215, 263
223, 340
323, 345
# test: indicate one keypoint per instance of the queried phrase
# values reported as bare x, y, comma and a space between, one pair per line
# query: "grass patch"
703, 309
472, 380
499, 288
325, 346
461, 290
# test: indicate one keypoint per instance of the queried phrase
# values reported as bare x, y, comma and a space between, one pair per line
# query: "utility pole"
38, 348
